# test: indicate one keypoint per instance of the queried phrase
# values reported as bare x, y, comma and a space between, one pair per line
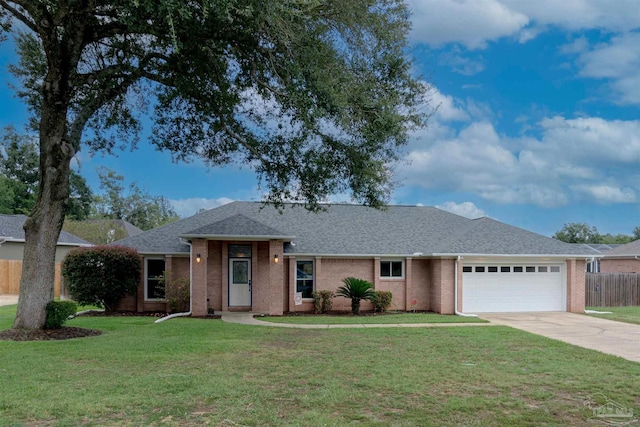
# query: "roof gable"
237, 226
628, 249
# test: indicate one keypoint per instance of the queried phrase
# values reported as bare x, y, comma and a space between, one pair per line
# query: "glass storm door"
239, 282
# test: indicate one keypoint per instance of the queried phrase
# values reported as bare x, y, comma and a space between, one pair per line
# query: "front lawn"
192, 372
621, 314
386, 318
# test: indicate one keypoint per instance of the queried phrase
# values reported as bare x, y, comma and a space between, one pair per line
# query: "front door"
239, 282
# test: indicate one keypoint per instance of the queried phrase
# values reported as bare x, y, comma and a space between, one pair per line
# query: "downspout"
184, 313
455, 293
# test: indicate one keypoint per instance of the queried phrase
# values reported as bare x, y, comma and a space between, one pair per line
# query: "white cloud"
571, 160
619, 61
616, 15
465, 209
449, 109
606, 194
473, 23
470, 23
188, 207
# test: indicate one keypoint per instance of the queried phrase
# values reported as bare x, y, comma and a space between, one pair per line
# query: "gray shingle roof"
629, 249
11, 228
237, 226
356, 230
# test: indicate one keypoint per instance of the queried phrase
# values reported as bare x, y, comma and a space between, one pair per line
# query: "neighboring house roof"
629, 249
599, 248
129, 228
354, 230
12, 229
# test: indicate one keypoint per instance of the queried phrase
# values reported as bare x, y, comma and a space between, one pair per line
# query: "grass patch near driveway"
621, 314
192, 372
384, 318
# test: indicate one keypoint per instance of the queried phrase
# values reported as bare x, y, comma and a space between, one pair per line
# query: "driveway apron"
608, 336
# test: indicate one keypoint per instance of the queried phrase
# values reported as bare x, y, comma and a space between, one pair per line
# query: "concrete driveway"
608, 336
6, 299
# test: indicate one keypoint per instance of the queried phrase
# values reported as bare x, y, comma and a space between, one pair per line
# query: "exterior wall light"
275, 259
198, 258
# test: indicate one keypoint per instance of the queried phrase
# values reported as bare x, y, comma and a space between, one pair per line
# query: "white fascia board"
236, 238
564, 256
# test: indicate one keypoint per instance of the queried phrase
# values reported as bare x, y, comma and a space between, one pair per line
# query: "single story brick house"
252, 257
621, 259
12, 248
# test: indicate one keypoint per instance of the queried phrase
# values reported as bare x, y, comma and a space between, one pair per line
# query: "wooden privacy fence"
612, 289
11, 272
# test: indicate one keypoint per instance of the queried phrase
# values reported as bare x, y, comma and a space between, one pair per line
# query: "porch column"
276, 278
575, 286
199, 304
292, 284
408, 284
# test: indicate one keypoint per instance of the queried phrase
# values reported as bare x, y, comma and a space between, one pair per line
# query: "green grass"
327, 319
621, 314
192, 372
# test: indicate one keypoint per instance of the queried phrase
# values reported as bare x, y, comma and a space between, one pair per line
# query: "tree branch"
19, 15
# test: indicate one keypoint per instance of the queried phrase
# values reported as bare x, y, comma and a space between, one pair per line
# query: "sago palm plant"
356, 289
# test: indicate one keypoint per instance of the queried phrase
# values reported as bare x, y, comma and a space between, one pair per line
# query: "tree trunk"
355, 306
42, 228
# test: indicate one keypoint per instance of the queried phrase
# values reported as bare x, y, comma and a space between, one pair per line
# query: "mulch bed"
64, 333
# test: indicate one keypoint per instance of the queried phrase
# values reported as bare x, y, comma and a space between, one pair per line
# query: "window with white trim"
154, 278
304, 278
391, 269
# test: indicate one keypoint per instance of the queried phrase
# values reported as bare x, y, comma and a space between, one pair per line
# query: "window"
154, 272
493, 269
239, 251
531, 269
391, 269
555, 269
467, 269
517, 269
480, 269
304, 278
542, 269
505, 269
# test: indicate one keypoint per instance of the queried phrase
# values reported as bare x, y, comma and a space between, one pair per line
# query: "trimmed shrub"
177, 294
101, 275
382, 301
58, 312
322, 301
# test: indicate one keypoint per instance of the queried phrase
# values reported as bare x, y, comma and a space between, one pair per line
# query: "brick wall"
442, 285
619, 265
199, 303
420, 285
336, 269
214, 274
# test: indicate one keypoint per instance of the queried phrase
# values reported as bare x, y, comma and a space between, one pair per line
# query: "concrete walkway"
246, 318
6, 299
607, 336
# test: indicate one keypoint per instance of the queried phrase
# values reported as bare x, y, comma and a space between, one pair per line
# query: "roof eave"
236, 237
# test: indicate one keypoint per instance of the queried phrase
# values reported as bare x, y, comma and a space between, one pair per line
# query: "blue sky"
538, 121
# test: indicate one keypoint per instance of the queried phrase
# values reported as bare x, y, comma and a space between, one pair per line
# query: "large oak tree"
316, 95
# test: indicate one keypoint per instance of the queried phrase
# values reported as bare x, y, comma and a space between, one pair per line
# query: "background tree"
317, 97
574, 232
137, 207
19, 175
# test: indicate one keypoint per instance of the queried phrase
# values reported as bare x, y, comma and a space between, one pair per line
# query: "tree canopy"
135, 206
19, 175
316, 96
575, 232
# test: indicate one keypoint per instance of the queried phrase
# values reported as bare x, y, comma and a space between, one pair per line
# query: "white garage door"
511, 288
